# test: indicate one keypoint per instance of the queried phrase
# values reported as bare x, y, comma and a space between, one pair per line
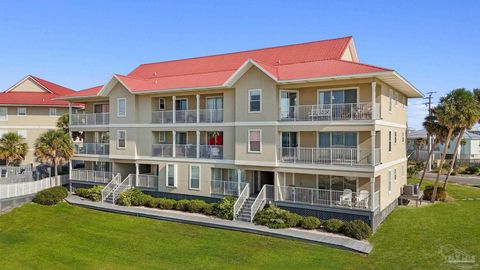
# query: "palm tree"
453, 112
63, 123
470, 114
438, 133
54, 148
13, 148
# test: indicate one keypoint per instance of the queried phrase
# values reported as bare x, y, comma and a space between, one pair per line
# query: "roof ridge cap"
185, 74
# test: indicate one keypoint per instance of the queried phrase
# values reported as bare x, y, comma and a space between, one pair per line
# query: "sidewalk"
317, 237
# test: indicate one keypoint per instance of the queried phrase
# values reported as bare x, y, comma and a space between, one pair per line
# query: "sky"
80, 44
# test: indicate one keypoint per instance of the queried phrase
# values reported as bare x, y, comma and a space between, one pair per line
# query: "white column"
174, 113
373, 140
276, 184
239, 179
374, 103
198, 108
158, 174
198, 144
70, 174
174, 141
137, 172
372, 192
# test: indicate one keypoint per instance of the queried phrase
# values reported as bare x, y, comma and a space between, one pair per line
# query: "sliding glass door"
288, 104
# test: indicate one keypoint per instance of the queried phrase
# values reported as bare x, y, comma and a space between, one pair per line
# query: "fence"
27, 188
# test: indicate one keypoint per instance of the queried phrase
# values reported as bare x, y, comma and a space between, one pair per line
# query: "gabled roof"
305, 62
47, 97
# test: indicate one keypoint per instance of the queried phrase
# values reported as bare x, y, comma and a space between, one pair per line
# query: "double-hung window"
161, 104
3, 114
162, 136
21, 111
395, 137
121, 139
194, 177
255, 100
255, 140
121, 107
171, 175
389, 141
52, 111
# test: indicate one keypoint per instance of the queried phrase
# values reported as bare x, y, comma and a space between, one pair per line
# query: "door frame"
280, 99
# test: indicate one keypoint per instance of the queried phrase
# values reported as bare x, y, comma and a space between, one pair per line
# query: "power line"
429, 139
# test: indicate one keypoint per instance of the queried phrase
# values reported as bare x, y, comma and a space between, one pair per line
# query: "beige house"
306, 126
29, 108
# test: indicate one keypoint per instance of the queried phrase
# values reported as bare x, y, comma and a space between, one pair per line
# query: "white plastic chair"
362, 199
346, 197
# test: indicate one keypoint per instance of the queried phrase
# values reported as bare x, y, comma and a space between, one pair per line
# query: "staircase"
245, 212
109, 198
113, 189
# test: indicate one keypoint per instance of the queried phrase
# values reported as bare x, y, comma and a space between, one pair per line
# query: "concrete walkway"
317, 237
472, 180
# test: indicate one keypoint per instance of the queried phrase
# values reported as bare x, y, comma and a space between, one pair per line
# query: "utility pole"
429, 139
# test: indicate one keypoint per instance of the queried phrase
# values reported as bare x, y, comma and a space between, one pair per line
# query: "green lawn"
69, 237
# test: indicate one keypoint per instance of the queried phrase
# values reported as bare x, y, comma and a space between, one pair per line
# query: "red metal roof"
37, 98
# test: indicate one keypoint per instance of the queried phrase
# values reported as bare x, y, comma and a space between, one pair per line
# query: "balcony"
330, 112
188, 151
226, 188
91, 148
188, 116
87, 119
147, 181
101, 177
328, 156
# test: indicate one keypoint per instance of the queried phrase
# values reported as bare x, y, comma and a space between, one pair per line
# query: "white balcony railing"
162, 150
211, 151
92, 148
329, 112
100, 177
188, 116
332, 156
147, 181
185, 150
226, 188
86, 119
326, 197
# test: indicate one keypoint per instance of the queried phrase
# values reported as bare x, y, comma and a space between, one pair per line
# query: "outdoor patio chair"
346, 198
362, 199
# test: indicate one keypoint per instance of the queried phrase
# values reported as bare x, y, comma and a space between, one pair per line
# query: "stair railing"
124, 185
259, 202
240, 201
110, 186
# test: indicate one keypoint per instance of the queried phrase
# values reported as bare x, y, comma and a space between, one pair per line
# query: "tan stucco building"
306, 126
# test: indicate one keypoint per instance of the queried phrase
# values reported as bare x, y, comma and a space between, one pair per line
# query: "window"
3, 114
395, 137
389, 141
390, 100
22, 133
101, 108
52, 111
121, 107
220, 174
121, 139
195, 177
181, 138
337, 139
162, 136
389, 180
337, 96
254, 100
171, 175
255, 140
21, 111
403, 136
161, 104
395, 175
396, 98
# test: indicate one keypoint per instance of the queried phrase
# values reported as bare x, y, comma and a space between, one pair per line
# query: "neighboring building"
470, 150
301, 124
29, 108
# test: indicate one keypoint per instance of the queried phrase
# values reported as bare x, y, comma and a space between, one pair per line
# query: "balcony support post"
373, 140
174, 113
198, 109
198, 143
174, 140
137, 172
372, 193
374, 103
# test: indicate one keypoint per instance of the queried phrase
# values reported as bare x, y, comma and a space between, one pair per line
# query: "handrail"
124, 185
241, 200
110, 186
258, 203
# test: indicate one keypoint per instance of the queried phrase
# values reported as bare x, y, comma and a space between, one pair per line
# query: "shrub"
181, 205
94, 193
356, 229
208, 209
134, 197
51, 196
165, 203
332, 225
274, 217
441, 193
153, 203
310, 223
224, 208
195, 206
472, 169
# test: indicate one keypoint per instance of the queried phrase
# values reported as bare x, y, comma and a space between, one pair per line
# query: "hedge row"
94, 193
51, 196
135, 197
274, 217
